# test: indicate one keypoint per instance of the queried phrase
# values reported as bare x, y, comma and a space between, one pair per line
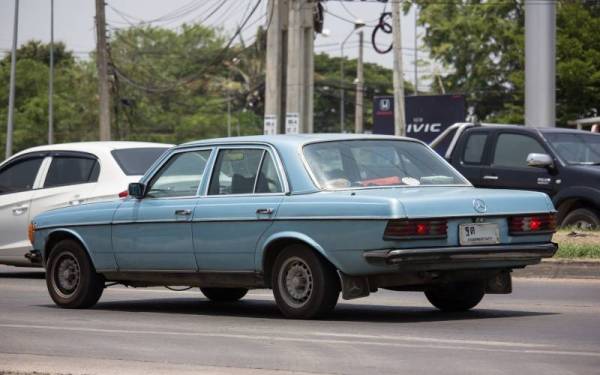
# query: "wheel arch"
59, 234
277, 242
574, 199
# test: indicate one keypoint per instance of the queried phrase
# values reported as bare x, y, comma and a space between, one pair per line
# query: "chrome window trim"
166, 160
384, 138
261, 146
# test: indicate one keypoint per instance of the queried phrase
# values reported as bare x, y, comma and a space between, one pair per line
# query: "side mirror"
136, 190
540, 160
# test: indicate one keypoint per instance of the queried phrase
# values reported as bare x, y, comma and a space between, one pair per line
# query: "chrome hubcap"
67, 275
296, 282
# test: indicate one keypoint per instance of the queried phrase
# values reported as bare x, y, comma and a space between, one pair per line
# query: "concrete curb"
562, 269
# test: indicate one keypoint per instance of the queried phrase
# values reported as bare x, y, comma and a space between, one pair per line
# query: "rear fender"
290, 235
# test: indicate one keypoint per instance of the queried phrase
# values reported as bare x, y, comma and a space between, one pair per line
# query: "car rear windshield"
136, 161
576, 148
367, 163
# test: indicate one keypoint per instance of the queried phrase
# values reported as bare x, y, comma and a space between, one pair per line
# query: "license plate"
479, 234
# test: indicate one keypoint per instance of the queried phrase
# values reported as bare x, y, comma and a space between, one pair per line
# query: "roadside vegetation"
174, 85
578, 244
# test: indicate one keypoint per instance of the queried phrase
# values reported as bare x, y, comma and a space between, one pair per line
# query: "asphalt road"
545, 327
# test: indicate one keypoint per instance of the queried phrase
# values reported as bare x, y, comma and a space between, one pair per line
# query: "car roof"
293, 139
533, 128
94, 146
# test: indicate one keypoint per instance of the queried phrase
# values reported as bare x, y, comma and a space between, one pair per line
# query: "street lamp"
357, 25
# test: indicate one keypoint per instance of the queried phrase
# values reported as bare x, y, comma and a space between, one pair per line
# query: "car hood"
432, 201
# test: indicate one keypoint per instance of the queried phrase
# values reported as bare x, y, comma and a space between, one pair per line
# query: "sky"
74, 23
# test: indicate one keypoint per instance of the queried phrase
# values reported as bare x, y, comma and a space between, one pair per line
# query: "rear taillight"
530, 224
124, 194
416, 229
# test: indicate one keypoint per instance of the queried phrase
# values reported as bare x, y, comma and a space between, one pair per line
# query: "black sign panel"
426, 116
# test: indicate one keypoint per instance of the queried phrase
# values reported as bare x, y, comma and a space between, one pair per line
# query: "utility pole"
399, 117
300, 67
277, 23
358, 111
540, 63
11, 90
357, 25
416, 50
102, 65
51, 79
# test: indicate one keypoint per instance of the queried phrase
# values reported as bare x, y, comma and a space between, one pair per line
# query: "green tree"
481, 44
74, 104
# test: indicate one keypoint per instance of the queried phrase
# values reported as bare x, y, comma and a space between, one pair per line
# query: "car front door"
18, 178
155, 232
243, 196
508, 168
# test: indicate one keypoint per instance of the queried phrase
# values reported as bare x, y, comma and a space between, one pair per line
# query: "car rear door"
242, 198
69, 178
508, 167
472, 153
18, 178
155, 233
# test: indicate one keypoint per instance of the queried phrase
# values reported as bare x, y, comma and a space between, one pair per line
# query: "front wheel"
224, 294
304, 285
456, 296
71, 278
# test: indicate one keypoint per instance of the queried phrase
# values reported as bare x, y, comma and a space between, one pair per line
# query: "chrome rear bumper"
440, 258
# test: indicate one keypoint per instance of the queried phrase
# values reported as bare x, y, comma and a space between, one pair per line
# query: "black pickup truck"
563, 163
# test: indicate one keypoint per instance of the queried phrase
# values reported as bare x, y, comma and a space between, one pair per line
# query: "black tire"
304, 285
581, 218
224, 294
71, 278
456, 296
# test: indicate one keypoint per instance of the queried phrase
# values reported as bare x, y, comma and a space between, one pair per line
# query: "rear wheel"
71, 278
456, 296
304, 285
224, 294
581, 218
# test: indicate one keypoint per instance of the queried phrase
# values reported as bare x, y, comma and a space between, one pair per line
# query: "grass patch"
577, 244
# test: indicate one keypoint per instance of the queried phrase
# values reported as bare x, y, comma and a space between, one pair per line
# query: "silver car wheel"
295, 282
66, 275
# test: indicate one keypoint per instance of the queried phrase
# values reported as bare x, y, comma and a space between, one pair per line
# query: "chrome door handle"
490, 177
264, 211
183, 212
20, 210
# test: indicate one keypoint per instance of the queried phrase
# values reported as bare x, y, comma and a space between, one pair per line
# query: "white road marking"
323, 341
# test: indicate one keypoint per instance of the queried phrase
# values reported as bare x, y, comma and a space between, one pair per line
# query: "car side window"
71, 170
512, 150
19, 176
235, 171
180, 176
474, 147
268, 179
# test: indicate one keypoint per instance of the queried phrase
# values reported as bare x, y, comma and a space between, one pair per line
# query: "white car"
48, 177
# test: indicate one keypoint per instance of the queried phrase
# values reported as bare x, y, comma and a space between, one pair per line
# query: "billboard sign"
426, 116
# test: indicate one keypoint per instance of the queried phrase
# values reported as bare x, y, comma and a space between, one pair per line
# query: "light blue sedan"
308, 216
